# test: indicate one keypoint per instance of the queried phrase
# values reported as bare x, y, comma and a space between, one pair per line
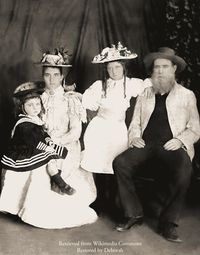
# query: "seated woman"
28, 194
106, 135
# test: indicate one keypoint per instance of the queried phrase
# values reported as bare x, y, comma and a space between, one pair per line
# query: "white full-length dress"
29, 194
106, 135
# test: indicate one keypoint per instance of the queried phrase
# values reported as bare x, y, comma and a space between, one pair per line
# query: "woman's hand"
148, 92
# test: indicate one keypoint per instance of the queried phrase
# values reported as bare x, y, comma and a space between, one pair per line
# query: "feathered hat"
56, 58
114, 53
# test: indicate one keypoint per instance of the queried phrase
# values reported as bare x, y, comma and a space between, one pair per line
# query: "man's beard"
162, 84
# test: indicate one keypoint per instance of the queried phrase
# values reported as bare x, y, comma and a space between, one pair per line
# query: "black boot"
129, 223
168, 231
61, 184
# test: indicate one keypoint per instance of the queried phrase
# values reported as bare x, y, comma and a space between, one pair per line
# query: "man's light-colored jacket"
182, 115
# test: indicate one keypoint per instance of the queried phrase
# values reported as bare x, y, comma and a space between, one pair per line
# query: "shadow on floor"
18, 238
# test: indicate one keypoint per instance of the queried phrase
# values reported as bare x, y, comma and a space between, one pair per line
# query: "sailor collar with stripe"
33, 119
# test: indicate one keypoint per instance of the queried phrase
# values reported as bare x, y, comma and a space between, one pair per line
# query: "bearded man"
165, 128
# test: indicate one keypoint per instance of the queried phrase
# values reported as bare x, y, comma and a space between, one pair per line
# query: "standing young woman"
106, 135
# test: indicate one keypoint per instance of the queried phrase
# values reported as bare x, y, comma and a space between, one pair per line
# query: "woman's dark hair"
20, 101
58, 67
106, 76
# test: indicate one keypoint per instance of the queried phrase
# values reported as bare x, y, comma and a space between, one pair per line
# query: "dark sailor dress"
27, 149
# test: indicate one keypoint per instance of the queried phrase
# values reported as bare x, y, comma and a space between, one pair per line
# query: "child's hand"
49, 149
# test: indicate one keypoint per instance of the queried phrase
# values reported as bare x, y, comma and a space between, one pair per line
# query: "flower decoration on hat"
59, 57
114, 53
28, 87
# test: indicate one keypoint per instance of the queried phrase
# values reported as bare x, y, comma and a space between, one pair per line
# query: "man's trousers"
178, 168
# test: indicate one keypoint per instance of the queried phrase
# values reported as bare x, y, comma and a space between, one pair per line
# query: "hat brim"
21, 94
49, 65
39, 89
150, 58
113, 59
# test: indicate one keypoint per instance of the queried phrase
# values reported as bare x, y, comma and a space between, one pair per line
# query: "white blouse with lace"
106, 135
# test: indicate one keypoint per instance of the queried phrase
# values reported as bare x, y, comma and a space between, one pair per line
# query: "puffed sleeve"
28, 136
75, 107
135, 87
76, 113
92, 96
30, 133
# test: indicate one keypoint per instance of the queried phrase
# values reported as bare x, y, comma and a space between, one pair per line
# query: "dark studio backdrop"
84, 28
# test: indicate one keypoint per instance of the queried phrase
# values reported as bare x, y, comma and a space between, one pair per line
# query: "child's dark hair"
20, 101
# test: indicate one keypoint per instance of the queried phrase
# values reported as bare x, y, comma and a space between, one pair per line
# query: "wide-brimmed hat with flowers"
114, 53
29, 87
165, 53
56, 58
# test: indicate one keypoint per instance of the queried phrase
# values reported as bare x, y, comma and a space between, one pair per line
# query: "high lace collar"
57, 91
111, 81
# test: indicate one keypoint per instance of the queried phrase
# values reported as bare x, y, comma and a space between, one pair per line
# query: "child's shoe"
58, 182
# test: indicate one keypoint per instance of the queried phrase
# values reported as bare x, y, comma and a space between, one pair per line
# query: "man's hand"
173, 144
137, 142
